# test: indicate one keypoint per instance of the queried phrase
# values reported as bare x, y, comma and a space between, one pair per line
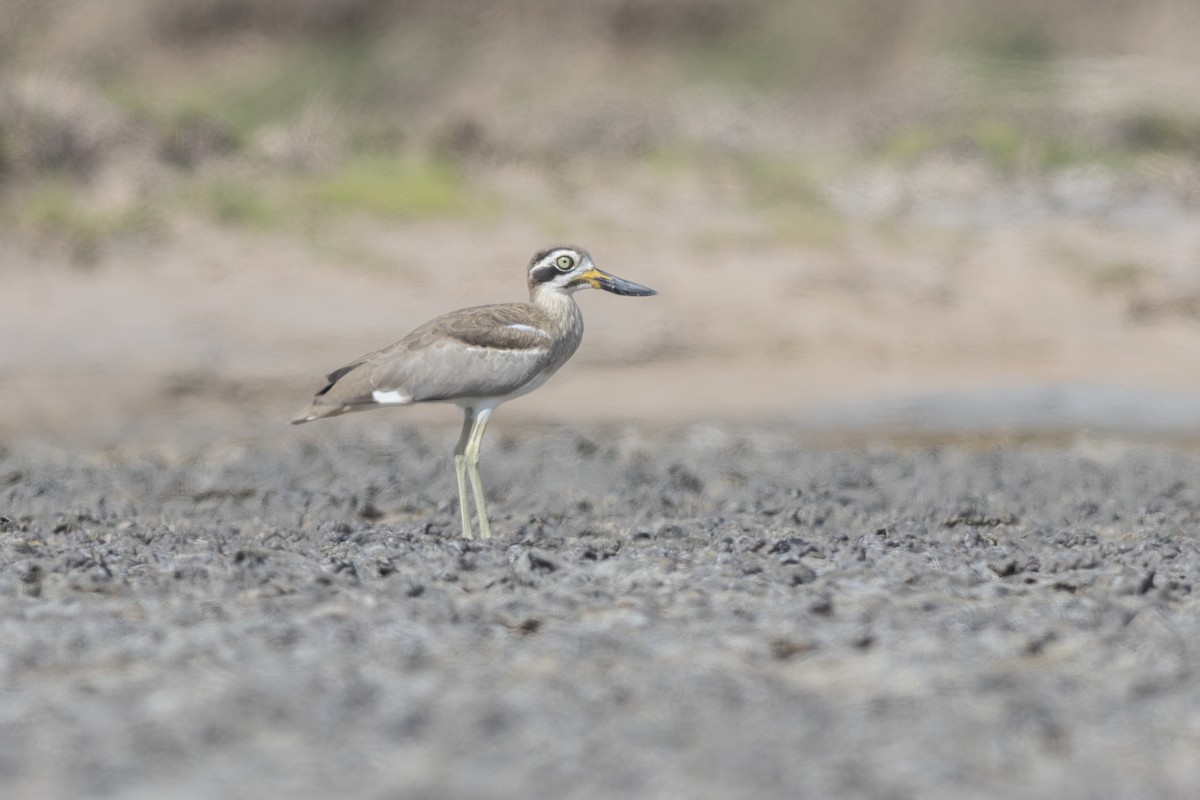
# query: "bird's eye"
564, 262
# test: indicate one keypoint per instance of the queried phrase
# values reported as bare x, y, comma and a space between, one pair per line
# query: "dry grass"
380, 106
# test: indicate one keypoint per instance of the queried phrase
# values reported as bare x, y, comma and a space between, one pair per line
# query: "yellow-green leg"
460, 469
472, 459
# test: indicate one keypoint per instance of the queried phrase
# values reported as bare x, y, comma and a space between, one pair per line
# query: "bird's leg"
472, 457
460, 468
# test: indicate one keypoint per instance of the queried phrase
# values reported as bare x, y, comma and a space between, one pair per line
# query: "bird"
477, 358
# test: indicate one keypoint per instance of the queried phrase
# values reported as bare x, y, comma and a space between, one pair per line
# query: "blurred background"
862, 215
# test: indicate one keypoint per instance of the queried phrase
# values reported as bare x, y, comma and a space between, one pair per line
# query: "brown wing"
475, 352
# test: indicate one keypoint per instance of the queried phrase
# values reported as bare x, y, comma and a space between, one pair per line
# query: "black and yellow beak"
599, 279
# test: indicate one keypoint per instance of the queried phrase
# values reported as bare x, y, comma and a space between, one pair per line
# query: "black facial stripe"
545, 274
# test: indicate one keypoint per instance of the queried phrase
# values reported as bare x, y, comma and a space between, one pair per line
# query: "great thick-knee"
477, 358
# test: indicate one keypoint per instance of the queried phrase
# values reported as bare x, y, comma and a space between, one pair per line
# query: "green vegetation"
1018, 42
385, 186
280, 89
775, 180
1004, 145
764, 62
1122, 274
791, 200
1117, 274
909, 145
369, 109
669, 163
243, 203
1007, 146
53, 211
790, 46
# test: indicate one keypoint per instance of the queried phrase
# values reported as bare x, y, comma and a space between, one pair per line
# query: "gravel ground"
705, 614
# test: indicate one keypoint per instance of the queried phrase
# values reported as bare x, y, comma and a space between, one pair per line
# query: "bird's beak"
599, 279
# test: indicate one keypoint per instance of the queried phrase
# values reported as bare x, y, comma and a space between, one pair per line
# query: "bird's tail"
317, 410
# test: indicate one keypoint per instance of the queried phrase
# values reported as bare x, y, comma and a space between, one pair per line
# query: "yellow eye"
564, 263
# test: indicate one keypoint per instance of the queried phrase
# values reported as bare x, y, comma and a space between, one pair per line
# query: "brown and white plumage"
476, 358
469, 353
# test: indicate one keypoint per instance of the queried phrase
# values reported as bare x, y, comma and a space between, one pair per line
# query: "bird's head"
565, 269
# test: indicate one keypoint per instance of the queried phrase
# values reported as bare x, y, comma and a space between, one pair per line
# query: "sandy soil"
205, 327
718, 613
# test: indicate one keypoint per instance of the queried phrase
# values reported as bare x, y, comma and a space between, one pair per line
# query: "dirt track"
709, 614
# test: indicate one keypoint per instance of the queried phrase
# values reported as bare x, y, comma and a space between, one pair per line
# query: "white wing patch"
390, 398
521, 326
